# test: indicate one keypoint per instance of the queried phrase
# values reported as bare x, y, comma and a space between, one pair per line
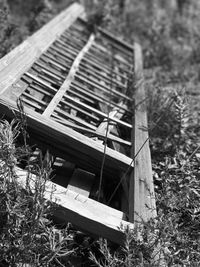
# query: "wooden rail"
141, 190
75, 90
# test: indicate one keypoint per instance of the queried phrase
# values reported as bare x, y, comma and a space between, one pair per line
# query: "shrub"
27, 235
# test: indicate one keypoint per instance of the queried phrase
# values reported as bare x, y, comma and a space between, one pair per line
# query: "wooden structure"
83, 95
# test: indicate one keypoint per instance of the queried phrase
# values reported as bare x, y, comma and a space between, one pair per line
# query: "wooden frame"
71, 137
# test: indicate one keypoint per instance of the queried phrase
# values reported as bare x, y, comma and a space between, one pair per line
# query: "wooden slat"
35, 99
59, 58
40, 81
76, 119
85, 213
39, 89
49, 59
105, 62
84, 130
98, 112
58, 96
86, 113
141, 189
45, 71
101, 87
108, 53
32, 104
46, 57
49, 69
67, 46
98, 66
127, 47
63, 54
103, 57
71, 143
73, 42
14, 64
73, 35
96, 96
74, 92
106, 79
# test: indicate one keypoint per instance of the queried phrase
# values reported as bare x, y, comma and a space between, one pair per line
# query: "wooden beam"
14, 64
87, 214
70, 143
141, 190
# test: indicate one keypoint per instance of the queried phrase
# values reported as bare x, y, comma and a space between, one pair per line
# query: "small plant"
26, 232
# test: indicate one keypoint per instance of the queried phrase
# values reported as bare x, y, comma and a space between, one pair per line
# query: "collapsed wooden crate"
83, 95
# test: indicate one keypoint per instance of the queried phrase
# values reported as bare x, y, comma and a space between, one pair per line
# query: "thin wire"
107, 127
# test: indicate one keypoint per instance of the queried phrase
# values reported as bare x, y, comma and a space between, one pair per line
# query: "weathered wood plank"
14, 64
141, 189
83, 212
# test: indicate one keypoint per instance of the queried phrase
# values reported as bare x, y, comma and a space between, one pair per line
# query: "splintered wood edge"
15, 63
85, 213
141, 191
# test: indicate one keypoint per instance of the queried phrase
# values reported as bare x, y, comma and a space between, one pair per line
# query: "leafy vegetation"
26, 232
170, 39
19, 19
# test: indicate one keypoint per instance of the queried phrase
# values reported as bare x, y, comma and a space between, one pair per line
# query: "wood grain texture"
14, 64
85, 213
141, 190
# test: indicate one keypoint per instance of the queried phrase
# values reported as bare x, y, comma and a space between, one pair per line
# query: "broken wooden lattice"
83, 95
